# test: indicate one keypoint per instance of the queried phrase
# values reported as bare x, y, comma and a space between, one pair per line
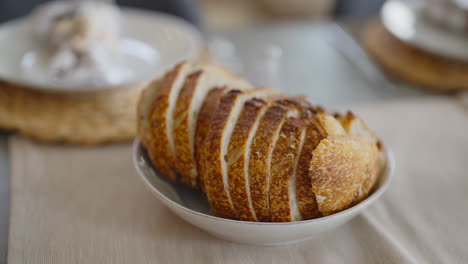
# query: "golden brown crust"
356, 127
238, 158
189, 102
321, 126
217, 196
262, 149
144, 103
185, 163
337, 171
283, 164
372, 172
158, 145
301, 162
204, 119
306, 202
215, 182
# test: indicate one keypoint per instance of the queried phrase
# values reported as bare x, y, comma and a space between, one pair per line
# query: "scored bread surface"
191, 97
217, 140
238, 157
283, 206
204, 119
261, 153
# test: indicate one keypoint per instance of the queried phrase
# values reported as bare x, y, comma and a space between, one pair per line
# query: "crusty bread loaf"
191, 97
257, 154
221, 128
262, 150
285, 158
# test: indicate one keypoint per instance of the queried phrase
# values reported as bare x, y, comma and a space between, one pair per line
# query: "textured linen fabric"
87, 205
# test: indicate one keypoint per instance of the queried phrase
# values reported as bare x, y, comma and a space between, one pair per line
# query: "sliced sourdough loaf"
284, 161
216, 148
239, 152
261, 154
188, 105
337, 171
161, 144
210, 105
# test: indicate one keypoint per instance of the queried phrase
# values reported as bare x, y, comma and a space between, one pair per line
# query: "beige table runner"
87, 205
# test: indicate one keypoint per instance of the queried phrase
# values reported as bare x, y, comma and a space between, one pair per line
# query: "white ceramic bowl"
192, 206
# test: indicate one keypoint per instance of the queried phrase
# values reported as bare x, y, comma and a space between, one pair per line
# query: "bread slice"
161, 147
210, 105
144, 102
337, 171
261, 154
239, 152
356, 127
320, 127
284, 166
217, 142
188, 105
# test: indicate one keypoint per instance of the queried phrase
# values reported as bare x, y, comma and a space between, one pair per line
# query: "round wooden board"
412, 64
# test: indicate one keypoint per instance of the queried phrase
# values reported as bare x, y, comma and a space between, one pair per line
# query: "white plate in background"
152, 42
405, 21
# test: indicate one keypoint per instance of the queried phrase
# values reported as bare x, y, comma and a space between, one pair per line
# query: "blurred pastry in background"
81, 39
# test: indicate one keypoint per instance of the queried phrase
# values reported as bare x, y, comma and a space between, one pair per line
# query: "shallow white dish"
405, 21
152, 42
192, 206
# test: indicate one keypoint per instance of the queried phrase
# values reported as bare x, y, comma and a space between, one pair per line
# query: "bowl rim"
389, 170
